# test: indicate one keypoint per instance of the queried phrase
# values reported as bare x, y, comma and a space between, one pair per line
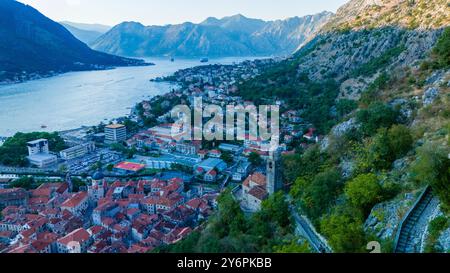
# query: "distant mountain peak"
234, 35
130, 24
238, 17
210, 21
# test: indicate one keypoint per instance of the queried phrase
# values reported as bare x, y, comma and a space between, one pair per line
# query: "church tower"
69, 182
97, 188
274, 177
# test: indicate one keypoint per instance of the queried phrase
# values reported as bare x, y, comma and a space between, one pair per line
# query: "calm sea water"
76, 99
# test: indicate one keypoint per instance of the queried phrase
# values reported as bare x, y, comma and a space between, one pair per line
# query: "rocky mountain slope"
30, 43
412, 14
367, 36
229, 36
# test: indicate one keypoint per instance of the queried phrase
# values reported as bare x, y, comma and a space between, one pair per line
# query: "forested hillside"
375, 82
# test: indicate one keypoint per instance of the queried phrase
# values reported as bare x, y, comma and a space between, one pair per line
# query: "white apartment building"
77, 151
39, 153
115, 133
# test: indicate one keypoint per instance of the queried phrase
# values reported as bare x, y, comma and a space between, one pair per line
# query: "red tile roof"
75, 200
40, 245
258, 192
257, 178
79, 235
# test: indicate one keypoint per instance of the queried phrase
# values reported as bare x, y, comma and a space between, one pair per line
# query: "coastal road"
25, 171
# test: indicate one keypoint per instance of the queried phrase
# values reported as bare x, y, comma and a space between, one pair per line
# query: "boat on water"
204, 60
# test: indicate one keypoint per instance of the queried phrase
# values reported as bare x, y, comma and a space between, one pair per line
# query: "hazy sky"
160, 12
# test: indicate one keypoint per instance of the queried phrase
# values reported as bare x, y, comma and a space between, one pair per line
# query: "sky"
162, 12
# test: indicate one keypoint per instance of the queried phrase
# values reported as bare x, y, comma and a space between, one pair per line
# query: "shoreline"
84, 127
38, 76
162, 79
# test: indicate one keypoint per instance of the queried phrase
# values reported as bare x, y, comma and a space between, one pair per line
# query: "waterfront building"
77, 151
39, 153
115, 133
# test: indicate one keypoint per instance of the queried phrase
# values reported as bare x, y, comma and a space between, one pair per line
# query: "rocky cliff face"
412, 14
230, 36
356, 57
361, 40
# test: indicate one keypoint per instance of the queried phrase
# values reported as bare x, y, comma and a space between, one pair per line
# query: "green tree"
432, 167
377, 115
380, 155
276, 209
364, 192
110, 167
132, 126
321, 194
312, 161
400, 140
227, 157
77, 183
25, 182
436, 227
255, 159
441, 51
344, 231
293, 247
230, 216
298, 188
345, 106
384, 148
14, 151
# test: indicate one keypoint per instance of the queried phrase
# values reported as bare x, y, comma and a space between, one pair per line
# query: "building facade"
39, 153
77, 151
115, 133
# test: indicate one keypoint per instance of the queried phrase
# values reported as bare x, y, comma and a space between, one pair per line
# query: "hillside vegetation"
376, 83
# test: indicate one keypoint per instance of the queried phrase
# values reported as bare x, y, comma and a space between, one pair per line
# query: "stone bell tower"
274, 176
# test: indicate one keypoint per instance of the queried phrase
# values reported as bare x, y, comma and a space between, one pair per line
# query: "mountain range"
30, 43
87, 33
230, 36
